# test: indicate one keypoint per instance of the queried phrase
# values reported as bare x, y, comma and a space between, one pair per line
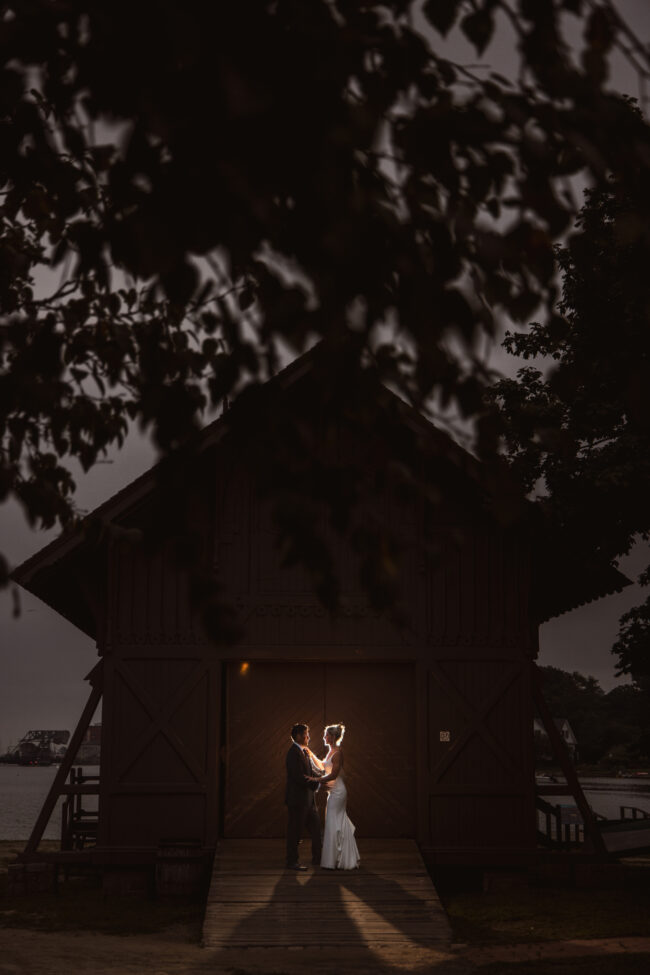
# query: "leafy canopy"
580, 425
611, 728
208, 184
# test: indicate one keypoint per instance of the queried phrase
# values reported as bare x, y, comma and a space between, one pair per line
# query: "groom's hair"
298, 729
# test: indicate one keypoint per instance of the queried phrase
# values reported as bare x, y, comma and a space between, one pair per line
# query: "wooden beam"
564, 758
79, 790
57, 787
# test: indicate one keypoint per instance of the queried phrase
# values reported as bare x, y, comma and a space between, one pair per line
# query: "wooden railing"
561, 753
562, 826
79, 825
636, 813
59, 786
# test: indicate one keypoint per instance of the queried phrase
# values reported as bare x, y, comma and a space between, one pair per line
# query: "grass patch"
587, 964
80, 904
529, 914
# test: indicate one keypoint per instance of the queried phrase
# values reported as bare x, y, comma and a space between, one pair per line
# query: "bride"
339, 846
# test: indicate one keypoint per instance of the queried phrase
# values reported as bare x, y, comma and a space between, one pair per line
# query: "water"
22, 792
607, 795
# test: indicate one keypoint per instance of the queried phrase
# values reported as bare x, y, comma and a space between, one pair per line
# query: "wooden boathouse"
438, 705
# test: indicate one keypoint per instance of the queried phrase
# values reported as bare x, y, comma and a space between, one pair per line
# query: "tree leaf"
245, 298
442, 14
478, 28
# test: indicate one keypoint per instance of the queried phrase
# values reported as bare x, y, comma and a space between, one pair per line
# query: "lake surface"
606, 796
24, 788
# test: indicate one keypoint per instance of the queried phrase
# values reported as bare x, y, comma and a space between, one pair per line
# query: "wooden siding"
276, 603
478, 589
467, 586
149, 599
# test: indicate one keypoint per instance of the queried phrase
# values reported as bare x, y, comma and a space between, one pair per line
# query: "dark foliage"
633, 644
611, 727
582, 426
210, 181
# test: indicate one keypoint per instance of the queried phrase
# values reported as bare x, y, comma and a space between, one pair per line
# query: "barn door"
157, 772
480, 754
376, 704
264, 701
375, 701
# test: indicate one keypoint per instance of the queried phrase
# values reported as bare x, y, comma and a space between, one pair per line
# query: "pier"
254, 901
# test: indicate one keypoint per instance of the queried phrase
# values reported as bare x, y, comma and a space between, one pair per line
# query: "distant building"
93, 734
40, 747
543, 748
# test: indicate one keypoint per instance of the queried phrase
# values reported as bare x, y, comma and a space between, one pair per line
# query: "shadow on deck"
389, 901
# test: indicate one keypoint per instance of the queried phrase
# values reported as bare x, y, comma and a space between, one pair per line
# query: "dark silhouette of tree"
582, 425
577, 698
210, 183
628, 718
601, 722
633, 651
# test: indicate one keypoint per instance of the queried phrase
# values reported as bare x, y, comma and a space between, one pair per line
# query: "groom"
300, 800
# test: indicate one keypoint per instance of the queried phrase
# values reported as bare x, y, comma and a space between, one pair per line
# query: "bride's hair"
337, 731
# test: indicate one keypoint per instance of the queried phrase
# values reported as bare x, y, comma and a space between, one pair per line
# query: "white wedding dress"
339, 845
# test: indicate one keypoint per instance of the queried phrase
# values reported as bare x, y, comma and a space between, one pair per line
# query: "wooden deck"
254, 901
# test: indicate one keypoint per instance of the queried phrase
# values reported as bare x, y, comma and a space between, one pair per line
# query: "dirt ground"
105, 943
62, 953
25, 952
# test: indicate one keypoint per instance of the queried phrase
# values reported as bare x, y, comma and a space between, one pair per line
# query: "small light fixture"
244, 667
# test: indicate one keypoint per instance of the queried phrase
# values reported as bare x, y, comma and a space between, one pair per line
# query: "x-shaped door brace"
475, 718
159, 715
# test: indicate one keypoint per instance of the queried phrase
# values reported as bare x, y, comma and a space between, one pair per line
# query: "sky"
44, 659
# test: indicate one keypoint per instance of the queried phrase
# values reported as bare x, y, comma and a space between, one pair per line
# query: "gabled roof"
563, 581
560, 724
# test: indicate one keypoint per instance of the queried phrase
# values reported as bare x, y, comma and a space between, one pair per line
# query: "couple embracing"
305, 775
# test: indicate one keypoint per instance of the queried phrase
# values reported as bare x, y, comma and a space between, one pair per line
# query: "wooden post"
563, 757
64, 768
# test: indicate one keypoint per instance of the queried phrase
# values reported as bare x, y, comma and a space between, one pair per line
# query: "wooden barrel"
180, 868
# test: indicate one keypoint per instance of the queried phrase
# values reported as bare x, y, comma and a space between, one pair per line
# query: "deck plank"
256, 902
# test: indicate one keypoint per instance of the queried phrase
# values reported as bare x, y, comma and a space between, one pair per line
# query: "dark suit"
301, 806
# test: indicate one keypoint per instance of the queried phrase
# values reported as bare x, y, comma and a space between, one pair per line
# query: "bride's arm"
317, 762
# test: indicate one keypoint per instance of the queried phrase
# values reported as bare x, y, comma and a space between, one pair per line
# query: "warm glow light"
244, 667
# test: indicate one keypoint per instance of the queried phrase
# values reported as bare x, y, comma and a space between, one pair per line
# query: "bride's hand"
315, 760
